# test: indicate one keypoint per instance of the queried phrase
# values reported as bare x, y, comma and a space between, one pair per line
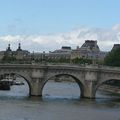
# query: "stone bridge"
88, 77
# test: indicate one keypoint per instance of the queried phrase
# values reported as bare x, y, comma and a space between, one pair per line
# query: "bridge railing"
91, 66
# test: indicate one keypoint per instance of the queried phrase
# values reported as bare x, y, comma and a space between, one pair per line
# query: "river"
60, 101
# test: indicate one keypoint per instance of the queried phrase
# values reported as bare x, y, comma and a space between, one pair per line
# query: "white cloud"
105, 37
116, 27
10, 38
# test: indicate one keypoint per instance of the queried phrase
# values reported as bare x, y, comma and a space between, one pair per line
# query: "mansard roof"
116, 46
91, 44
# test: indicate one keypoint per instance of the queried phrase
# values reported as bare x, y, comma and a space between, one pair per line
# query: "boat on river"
4, 85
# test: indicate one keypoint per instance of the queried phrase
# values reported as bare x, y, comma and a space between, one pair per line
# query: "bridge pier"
36, 88
89, 91
90, 83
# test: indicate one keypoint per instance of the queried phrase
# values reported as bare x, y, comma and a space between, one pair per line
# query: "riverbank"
111, 89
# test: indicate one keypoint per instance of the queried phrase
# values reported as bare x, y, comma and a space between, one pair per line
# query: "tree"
82, 61
113, 58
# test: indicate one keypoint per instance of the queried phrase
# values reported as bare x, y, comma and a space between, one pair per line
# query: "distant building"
63, 53
90, 45
116, 46
8, 52
64, 49
76, 53
19, 54
89, 50
2, 54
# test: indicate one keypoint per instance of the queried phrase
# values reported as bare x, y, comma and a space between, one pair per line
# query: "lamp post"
43, 57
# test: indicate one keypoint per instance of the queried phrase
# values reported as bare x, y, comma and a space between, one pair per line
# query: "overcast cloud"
105, 37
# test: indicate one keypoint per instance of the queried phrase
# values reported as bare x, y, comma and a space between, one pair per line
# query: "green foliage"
61, 60
113, 58
81, 61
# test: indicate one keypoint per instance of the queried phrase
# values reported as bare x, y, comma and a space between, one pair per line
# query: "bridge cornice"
91, 68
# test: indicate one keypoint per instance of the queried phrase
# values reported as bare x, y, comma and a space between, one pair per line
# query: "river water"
60, 101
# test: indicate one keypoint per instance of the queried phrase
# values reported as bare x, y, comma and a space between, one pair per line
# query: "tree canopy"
81, 61
113, 58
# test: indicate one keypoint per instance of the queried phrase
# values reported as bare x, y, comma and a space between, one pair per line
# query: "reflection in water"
60, 101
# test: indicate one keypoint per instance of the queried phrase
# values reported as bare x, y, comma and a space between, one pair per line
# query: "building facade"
19, 54
89, 50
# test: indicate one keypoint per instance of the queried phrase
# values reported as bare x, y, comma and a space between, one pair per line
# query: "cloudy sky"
45, 25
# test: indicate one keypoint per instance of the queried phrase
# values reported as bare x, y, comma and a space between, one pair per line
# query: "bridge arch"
80, 84
102, 82
26, 78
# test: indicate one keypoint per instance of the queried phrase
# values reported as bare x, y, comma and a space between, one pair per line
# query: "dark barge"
4, 85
